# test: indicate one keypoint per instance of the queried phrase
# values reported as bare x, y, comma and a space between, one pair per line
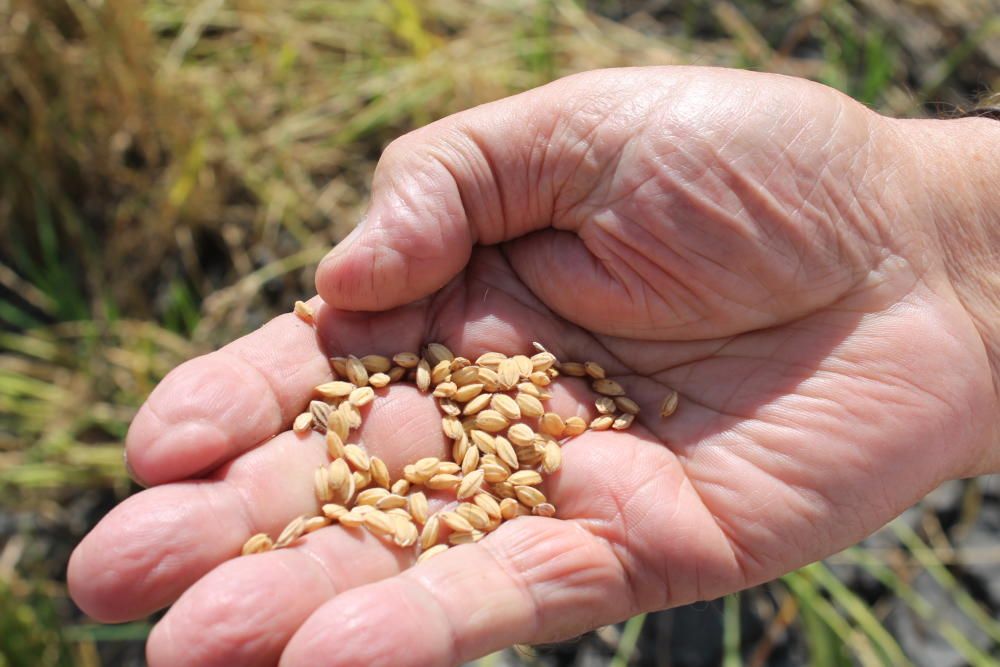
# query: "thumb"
479, 176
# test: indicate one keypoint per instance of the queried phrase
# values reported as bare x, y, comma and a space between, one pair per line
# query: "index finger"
217, 406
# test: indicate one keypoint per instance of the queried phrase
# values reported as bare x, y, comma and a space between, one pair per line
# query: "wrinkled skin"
762, 244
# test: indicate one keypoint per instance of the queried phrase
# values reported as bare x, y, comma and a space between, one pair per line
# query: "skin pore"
817, 281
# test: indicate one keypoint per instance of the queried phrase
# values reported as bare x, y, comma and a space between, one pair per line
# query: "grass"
171, 171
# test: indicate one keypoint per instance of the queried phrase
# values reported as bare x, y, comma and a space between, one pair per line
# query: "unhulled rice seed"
433, 551
376, 363
608, 387
669, 405
305, 312
379, 471
259, 543
292, 532
406, 359
602, 423
303, 423
574, 426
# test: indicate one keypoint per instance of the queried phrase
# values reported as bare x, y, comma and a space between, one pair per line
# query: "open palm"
747, 240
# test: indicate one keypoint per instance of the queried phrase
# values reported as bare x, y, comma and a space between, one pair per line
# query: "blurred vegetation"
171, 171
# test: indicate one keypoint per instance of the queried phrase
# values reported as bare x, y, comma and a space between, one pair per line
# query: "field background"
170, 173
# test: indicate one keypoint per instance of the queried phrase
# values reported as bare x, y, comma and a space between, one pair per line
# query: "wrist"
960, 163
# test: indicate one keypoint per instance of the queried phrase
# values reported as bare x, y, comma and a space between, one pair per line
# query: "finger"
153, 546
483, 176
532, 580
244, 611
210, 409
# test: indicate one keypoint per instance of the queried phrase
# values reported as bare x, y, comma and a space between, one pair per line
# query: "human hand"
762, 244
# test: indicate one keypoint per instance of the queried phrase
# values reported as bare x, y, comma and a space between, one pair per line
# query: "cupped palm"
755, 253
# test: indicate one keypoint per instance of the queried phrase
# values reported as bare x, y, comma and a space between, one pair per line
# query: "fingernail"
130, 471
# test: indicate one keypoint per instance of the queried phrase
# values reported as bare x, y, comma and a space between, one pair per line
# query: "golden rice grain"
431, 552
525, 478
430, 532
436, 353
390, 501
491, 421
423, 375
506, 406
303, 423
334, 445
465, 538
405, 534
305, 312
352, 519
572, 368
626, 404
509, 508
574, 426
465, 376
416, 502
467, 392
542, 361
314, 523
477, 404
491, 359
337, 423
605, 405
552, 424
494, 473
505, 451
379, 523
335, 389
529, 405
371, 496
376, 363
457, 522
552, 458
406, 359
443, 482
483, 440
339, 367
259, 543
602, 423
540, 379
521, 435
544, 509
361, 396
594, 370
321, 484
356, 371
524, 366
292, 532
470, 461
445, 390
441, 372
529, 495
475, 515
470, 484
488, 505
669, 405
379, 471
350, 413
400, 487
334, 511
608, 387
623, 421
452, 427
379, 380
357, 457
